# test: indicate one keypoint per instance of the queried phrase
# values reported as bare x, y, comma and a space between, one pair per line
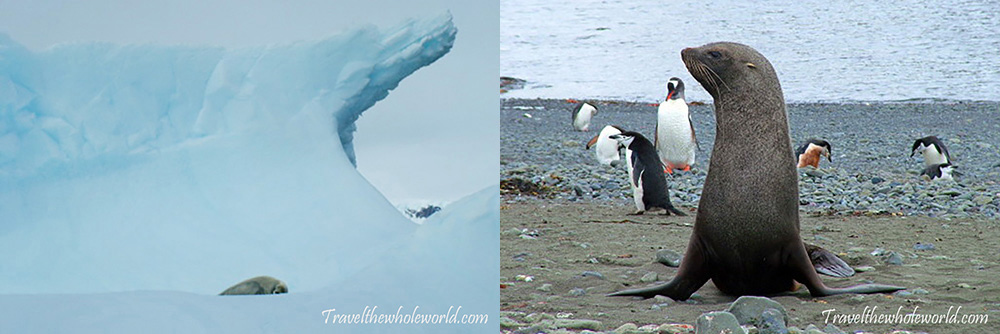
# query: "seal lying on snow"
260, 285
746, 236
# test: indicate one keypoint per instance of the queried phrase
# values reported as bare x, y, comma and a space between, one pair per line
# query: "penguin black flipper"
827, 263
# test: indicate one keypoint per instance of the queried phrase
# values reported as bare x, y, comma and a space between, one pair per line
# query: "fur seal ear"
751, 65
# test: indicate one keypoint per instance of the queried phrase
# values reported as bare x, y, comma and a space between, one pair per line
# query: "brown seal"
746, 236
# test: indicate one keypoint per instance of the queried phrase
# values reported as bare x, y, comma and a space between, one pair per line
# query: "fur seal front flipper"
746, 237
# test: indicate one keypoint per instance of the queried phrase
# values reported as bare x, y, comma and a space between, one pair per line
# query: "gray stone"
649, 277
535, 318
545, 287
577, 292
772, 322
626, 328
668, 257
923, 247
893, 259
717, 322
877, 180
592, 274
748, 309
577, 324
832, 329
506, 322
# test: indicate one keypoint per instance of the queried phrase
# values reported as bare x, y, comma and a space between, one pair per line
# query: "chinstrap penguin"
933, 150
582, 114
675, 139
809, 153
649, 184
606, 149
939, 172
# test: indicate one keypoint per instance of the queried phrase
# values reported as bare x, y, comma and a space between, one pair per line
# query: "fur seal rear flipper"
746, 237
827, 263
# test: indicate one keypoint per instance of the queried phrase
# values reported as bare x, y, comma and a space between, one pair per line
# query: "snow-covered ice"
138, 181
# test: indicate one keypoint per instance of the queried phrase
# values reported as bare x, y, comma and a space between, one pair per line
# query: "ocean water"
822, 50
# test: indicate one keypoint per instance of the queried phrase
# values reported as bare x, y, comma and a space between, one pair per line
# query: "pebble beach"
872, 172
567, 238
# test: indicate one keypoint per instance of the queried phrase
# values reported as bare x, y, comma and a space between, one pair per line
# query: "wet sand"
961, 270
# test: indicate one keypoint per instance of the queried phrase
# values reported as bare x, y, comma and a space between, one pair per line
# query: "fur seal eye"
715, 54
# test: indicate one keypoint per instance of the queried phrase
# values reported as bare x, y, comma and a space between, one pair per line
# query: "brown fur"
746, 236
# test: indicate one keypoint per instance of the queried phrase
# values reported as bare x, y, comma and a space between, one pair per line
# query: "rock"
812, 329
877, 180
579, 191
748, 309
577, 292
923, 247
545, 287
649, 277
511, 231
626, 328
506, 322
772, 322
862, 269
920, 291
717, 322
674, 329
577, 324
965, 286
982, 200
535, 318
668, 257
832, 329
893, 259
592, 274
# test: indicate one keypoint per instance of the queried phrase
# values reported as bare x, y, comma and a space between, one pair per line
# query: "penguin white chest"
674, 139
582, 120
932, 156
606, 149
635, 181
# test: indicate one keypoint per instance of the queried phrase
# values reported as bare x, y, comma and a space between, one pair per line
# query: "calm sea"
823, 50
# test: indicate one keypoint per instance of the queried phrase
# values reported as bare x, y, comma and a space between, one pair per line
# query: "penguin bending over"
605, 148
675, 140
649, 185
582, 114
809, 153
933, 150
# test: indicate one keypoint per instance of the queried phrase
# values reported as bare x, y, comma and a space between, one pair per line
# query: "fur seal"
809, 153
582, 114
649, 184
260, 285
746, 236
675, 141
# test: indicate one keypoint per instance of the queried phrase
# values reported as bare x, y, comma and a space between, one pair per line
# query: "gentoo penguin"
932, 149
938, 172
582, 114
809, 153
649, 185
675, 140
605, 148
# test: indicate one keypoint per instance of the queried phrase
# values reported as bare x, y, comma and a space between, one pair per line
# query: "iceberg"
139, 181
